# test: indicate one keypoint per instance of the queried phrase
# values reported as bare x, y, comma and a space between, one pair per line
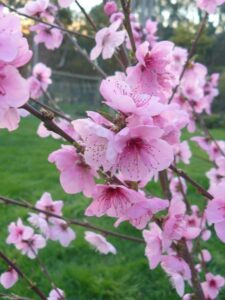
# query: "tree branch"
199, 188
32, 285
71, 221
127, 24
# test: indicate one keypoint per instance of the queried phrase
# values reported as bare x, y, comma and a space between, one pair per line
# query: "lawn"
80, 271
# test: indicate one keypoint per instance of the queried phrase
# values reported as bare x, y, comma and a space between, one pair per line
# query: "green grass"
80, 271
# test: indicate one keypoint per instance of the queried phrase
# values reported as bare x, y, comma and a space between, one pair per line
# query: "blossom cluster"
14, 53
114, 157
48, 224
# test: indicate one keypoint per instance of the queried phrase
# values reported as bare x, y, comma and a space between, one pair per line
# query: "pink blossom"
100, 243
209, 5
75, 175
215, 149
61, 232
96, 139
205, 255
203, 142
56, 294
9, 118
112, 200
107, 40
212, 285
13, 88
65, 3
175, 224
178, 187
118, 16
215, 212
24, 54
141, 152
30, 247
51, 37
179, 58
110, 8
141, 212
35, 8
151, 28
153, 67
178, 270
47, 204
14, 49
183, 152
18, 232
40, 221
9, 278
43, 74
154, 247
121, 95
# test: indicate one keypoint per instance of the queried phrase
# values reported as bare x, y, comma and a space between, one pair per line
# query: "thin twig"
55, 112
38, 20
195, 280
126, 10
84, 53
48, 121
87, 16
15, 267
71, 221
47, 274
199, 188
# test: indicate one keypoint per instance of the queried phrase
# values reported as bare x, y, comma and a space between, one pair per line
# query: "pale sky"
87, 4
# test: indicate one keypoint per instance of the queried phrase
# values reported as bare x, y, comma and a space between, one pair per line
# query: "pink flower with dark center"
112, 200
30, 246
141, 152
35, 8
47, 204
212, 285
18, 232
51, 37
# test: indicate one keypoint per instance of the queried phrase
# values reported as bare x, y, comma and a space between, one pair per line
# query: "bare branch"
127, 24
